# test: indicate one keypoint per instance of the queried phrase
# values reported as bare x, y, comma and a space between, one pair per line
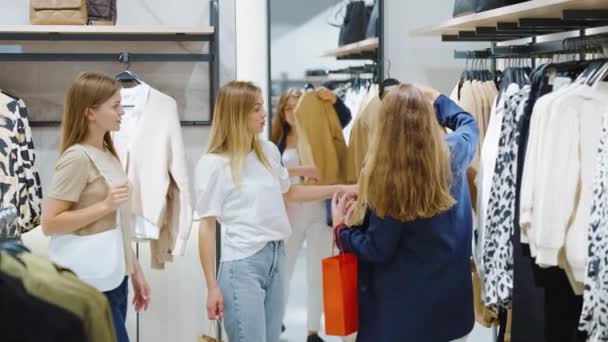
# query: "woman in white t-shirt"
241, 184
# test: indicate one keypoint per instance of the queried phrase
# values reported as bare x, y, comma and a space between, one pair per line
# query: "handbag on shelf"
102, 12
354, 25
340, 294
486, 5
373, 25
58, 12
464, 7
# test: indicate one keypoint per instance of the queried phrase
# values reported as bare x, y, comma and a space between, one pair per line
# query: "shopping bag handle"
335, 233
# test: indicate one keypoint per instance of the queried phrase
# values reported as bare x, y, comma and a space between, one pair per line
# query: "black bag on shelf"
486, 5
102, 12
355, 23
373, 26
464, 7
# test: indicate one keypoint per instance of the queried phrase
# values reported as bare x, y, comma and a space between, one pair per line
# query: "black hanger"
309, 86
10, 95
127, 75
389, 82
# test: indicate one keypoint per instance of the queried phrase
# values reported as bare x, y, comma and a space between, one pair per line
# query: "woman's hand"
117, 196
342, 207
215, 304
141, 289
350, 190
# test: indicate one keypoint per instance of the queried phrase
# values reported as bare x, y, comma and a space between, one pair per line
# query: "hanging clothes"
160, 186
61, 290
594, 314
361, 135
320, 138
19, 178
535, 235
476, 97
497, 260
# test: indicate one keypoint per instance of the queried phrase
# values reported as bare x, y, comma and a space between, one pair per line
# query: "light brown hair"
87, 91
234, 102
280, 126
407, 173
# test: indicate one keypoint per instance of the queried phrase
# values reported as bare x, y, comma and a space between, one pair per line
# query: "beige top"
79, 180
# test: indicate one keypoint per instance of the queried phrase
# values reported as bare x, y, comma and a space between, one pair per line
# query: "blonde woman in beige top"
86, 211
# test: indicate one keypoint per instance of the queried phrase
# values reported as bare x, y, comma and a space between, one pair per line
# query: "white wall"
300, 48
425, 60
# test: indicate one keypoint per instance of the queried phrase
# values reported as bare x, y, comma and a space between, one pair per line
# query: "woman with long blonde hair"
87, 210
241, 184
414, 241
308, 220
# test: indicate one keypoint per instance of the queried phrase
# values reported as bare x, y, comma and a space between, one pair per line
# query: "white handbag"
97, 259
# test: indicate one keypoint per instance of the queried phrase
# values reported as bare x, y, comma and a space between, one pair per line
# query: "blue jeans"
253, 295
118, 304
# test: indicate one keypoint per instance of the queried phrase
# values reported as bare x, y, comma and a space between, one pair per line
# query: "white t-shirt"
251, 214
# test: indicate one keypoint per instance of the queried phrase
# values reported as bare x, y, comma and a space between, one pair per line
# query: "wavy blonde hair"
280, 126
407, 172
229, 131
88, 90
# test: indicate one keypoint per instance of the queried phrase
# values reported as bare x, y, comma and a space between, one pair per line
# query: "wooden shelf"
367, 45
530, 9
106, 33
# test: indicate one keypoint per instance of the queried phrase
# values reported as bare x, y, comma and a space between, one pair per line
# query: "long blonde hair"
234, 102
407, 173
280, 126
87, 91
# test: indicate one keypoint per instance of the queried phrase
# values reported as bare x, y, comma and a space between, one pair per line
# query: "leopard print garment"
594, 317
30, 192
497, 254
19, 178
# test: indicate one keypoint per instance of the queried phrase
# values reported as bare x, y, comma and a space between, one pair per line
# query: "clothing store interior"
319, 170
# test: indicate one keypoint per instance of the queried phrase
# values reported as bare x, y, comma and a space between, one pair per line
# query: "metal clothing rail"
572, 45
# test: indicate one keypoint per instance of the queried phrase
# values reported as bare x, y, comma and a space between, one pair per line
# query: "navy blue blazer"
415, 277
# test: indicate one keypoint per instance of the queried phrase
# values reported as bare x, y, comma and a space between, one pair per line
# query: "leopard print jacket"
19, 178
594, 317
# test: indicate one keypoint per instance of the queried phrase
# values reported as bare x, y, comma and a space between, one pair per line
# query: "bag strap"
336, 231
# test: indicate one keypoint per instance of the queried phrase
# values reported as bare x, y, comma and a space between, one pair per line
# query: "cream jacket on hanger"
154, 157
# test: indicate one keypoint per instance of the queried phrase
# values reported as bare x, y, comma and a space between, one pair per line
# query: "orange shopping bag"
340, 298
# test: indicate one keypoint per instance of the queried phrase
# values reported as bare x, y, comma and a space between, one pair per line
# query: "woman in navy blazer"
414, 242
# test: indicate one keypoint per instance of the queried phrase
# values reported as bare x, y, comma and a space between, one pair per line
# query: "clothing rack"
529, 30
121, 34
572, 45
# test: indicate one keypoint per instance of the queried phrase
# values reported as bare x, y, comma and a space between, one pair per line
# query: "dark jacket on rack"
415, 277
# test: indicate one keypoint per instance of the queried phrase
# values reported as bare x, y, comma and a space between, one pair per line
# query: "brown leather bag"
58, 12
